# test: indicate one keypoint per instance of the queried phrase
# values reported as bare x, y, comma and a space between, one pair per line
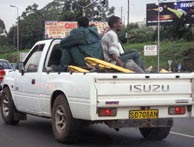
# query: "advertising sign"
61, 29
58, 29
171, 12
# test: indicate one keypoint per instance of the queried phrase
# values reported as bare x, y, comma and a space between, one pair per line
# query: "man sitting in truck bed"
82, 42
113, 51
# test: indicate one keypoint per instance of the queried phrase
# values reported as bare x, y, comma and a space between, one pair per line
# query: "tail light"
107, 112
2, 74
176, 110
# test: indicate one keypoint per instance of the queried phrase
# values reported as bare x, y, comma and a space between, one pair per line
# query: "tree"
136, 33
3, 36
32, 20
176, 32
94, 10
2, 27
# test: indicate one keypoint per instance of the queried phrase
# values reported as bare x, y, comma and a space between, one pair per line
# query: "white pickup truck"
147, 101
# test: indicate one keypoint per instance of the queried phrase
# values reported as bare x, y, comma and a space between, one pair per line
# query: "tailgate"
144, 89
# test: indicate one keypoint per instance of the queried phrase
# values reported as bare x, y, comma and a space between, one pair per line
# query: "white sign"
150, 50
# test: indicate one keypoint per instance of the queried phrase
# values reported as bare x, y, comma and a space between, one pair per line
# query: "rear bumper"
162, 122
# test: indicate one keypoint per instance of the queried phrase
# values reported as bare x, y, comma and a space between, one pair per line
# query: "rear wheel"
8, 108
157, 133
63, 124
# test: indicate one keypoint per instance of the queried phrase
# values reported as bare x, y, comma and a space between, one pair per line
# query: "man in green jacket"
82, 42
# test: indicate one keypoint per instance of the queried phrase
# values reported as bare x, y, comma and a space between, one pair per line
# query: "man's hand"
118, 60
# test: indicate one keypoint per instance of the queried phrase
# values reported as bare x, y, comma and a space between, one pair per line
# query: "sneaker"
149, 69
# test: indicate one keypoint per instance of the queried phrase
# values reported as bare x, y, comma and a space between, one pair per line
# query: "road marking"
181, 134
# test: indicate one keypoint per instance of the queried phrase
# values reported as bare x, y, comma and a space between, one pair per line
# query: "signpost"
150, 50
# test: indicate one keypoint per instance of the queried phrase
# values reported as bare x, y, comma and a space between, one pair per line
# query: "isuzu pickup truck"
148, 101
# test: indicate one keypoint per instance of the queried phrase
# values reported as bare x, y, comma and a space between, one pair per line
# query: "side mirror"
14, 66
21, 67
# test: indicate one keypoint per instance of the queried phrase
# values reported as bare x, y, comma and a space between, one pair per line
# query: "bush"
137, 34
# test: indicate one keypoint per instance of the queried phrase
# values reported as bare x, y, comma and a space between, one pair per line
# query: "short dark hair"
83, 22
112, 20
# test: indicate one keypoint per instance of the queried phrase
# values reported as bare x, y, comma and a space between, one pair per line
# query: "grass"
172, 50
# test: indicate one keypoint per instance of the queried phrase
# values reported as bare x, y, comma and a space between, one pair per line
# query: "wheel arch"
54, 96
7, 86
4, 86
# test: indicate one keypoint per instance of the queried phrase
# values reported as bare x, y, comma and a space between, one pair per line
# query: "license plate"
143, 114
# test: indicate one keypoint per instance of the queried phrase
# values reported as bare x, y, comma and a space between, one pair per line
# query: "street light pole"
13, 6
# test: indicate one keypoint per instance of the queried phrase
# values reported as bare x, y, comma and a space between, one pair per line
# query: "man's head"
83, 22
115, 23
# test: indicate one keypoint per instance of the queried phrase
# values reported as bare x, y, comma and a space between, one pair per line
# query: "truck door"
27, 83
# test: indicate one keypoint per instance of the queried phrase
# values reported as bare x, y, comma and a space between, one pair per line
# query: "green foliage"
175, 32
172, 50
137, 34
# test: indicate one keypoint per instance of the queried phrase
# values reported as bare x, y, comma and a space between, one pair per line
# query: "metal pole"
18, 41
84, 11
17, 31
122, 13
128, 15
158, 35
84, 7
128, 24
14, 37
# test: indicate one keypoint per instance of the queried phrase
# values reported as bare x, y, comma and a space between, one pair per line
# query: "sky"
137, 10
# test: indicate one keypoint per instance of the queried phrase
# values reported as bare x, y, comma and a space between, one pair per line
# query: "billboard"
170, 13
58, 29
61, 29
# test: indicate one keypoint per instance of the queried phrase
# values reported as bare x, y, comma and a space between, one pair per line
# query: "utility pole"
14, 37
128, 16
122, 14
84, 7
127, 33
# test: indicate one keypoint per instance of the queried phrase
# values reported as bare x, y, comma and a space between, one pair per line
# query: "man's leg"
134, 55
66, 59
131, 65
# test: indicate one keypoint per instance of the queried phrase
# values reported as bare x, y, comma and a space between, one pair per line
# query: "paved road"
37, 132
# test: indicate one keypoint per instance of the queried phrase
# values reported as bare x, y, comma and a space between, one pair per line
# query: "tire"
8, 108
158, 133
63, 124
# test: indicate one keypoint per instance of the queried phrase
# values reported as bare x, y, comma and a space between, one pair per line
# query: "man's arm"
72, 40
114, 49
118, 60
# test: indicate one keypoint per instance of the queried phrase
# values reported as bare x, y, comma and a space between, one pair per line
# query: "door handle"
33, 81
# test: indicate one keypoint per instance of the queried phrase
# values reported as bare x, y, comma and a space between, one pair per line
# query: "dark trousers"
134, 55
